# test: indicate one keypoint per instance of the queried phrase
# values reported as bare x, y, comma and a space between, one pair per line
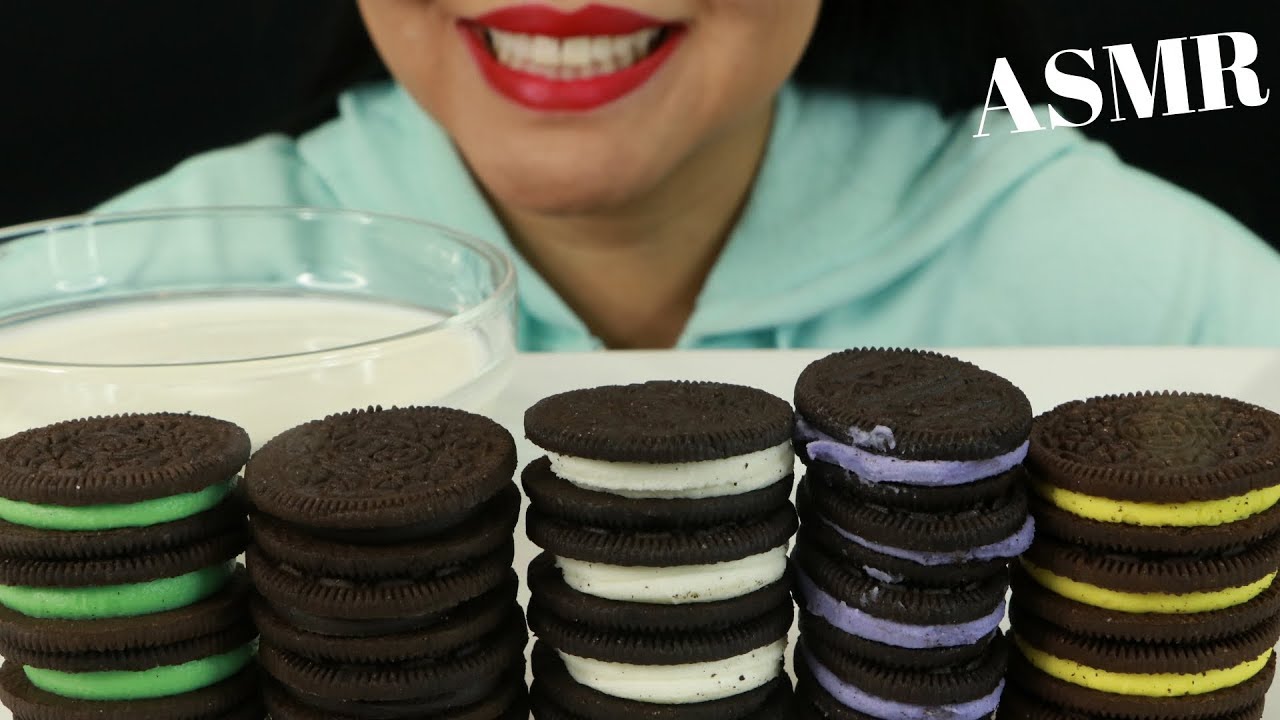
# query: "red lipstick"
590, 20
540, 92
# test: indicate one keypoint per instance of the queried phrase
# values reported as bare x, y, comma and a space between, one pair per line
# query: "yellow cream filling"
1204, 513
1142, 684
1162, 603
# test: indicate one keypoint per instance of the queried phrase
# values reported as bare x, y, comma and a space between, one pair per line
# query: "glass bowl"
268, 317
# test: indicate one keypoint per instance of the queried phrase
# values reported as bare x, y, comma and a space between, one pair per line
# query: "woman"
663, 180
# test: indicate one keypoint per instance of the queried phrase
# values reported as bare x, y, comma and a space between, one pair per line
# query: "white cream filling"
691, 480
680, 684
676, 585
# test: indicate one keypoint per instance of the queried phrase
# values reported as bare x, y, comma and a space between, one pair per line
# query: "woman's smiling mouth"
548, 60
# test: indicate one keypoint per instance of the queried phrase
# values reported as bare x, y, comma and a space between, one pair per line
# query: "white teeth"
641, 42
625, 52
571, 58
576, 52
601, 50
546, 51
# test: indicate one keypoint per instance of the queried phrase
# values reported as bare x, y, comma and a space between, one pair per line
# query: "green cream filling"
157, 682
113, 517
111, 601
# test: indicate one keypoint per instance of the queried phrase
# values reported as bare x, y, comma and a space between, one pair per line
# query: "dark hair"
942, 51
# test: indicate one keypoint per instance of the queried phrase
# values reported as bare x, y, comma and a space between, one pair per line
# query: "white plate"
1048, 376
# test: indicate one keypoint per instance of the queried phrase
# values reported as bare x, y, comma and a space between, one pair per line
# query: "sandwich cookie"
557, 694
382, 475
435, 683
371, 589
910, 417
909, 430
664, 512
553, 593
1186, 597
915, 547
1098, 622
1169, 473
685, 669
1154, 680
836, 686
892, 624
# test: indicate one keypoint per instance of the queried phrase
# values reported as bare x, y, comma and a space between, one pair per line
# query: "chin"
528, 191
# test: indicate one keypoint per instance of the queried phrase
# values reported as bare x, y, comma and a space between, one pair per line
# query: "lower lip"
537, 92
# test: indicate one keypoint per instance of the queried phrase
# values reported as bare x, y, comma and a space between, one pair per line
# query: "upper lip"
589, 20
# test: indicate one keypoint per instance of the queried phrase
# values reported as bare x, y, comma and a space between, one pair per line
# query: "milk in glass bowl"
268, 317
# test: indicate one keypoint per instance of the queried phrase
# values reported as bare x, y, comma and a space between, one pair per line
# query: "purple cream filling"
859, 458
879, 707
1010, 547
912, 637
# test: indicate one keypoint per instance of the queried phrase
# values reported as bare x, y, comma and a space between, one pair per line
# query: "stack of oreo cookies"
1151, 589
664, 509
120, 596
912, 505
381, 556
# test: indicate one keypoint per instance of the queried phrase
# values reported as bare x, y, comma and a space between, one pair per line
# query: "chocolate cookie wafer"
97, 465
411, 470
660, 422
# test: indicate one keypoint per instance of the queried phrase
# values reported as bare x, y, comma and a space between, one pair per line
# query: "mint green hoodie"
874, 221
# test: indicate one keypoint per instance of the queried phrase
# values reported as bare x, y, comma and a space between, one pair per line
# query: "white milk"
264, 396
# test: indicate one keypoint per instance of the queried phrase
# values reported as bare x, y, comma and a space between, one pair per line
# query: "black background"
96, 96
